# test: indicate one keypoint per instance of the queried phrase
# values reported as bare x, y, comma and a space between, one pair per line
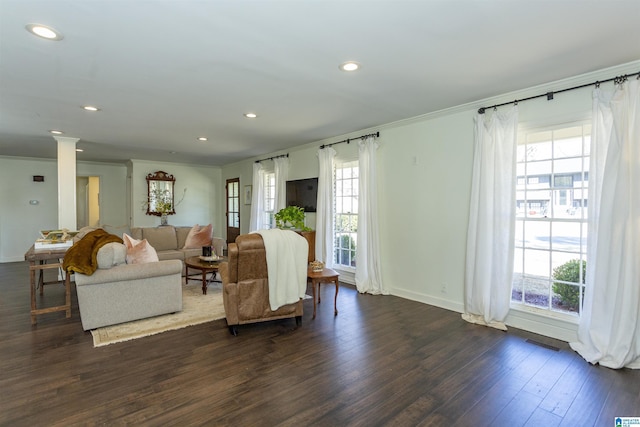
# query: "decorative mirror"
160, 187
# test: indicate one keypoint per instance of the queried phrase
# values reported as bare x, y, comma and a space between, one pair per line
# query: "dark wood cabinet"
311, 239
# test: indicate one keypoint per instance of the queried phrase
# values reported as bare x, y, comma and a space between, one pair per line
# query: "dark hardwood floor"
382, 361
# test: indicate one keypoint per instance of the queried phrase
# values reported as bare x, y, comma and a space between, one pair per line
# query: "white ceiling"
166, 72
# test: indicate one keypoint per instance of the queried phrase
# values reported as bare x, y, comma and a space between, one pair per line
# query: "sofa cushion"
111, 254
161, 238
139, 252
172, 254
198, 237
181, 233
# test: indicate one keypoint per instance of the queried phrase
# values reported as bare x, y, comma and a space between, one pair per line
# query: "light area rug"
196, 309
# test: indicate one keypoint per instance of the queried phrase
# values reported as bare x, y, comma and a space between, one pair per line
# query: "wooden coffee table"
204, 266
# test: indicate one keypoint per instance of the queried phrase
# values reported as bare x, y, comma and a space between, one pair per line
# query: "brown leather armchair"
245, 286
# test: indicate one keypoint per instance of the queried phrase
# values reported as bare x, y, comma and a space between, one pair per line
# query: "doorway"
87, 201
233, 209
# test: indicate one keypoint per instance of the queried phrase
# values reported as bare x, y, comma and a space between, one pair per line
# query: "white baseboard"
428, 299
550, 327
538, 324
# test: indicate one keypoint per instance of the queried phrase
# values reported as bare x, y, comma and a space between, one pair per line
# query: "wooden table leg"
67, 291
204, 281
335, 300
313, 286
41, 279
32, 280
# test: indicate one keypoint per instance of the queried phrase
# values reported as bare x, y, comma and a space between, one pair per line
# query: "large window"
269, 200
346, 213
551, 212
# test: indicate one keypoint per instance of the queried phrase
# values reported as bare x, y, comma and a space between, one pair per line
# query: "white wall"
20, 221
424, 179
203, 202
123, 189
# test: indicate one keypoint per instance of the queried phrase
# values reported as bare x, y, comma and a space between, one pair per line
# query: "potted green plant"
291, 217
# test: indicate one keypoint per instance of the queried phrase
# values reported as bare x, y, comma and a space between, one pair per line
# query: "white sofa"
169, 241
127, 292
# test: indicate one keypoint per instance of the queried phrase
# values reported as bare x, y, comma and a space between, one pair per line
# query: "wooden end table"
204, 266
38, 261
327, 275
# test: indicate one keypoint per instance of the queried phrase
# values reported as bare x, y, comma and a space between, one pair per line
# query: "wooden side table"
37, 263
327, 275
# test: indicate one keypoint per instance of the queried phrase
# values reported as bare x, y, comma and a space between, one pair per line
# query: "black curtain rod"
549, 95
348, 140
274, 157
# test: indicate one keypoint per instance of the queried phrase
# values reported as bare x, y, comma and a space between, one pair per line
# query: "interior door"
233, 209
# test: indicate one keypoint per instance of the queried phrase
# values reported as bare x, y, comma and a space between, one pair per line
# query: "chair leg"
298, 321
233, 330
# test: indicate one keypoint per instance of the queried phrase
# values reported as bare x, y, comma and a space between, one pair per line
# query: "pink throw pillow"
139, 251
198, 237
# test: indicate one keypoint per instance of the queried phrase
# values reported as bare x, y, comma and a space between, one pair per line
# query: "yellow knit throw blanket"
82, 257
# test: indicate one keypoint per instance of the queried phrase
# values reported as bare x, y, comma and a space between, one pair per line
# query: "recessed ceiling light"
251, 115
44, 31
172, 152
56, 132
349, 66
79, 150
90, 108
202, 138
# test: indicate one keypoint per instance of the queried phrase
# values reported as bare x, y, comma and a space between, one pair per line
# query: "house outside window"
269, 200
346, 213
551, 219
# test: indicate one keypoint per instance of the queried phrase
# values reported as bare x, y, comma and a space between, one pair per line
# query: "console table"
38, 262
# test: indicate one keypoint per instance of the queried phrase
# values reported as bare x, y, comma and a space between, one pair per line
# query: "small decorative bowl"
316, 265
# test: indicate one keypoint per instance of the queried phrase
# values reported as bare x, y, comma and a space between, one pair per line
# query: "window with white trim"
269, 200
551, 218
346, 213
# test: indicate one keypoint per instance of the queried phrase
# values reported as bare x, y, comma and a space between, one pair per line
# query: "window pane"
536, 263
566, 237
346, 219
536, 234
539, 151
551, 210
538, 173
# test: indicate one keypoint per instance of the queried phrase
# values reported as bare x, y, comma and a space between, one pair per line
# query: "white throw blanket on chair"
287, 253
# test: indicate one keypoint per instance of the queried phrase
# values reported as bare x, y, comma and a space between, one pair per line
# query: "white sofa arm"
127, 272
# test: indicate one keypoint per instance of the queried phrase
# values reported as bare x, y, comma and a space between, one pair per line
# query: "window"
551, 227
346, 213
269, 200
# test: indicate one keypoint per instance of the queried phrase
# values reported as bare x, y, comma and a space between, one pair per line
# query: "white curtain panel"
257, 199
368, 275
324, 211
281, 172
490, 236
609, 331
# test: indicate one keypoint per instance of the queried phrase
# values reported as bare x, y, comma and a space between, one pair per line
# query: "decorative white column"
67, 182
